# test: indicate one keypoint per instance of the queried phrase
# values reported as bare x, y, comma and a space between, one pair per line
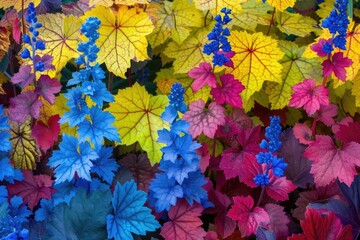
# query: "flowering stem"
350, 8
261, 196
324, 81
313, 127
22, 16
271, 22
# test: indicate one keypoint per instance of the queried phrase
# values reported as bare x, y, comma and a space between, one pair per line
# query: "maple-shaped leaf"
24, 77
47, 88
141, 169
228, 92
189, 53
27, 103
256, 59
281, 4
46, 134
249, 217
25, 150
349, 132
308, 95
18, 4
203, 75
72, 158
185, 222
215, 6
138, 118
122, 37
337, 65
173, 20
130, 215
331, 163
294, 23
60, 34
204, 120
32, 189
10, 21
232, 160
278, 220
326, 114
105, 165
322, 225
295, 69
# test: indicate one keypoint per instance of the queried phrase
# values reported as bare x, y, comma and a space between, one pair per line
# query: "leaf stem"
261, 196
313, 128
271, 22
110, 81
22, 16
207, 13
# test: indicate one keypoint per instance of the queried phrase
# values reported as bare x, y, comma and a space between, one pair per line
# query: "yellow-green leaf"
294, 23
215, 6
138, 118
281, 4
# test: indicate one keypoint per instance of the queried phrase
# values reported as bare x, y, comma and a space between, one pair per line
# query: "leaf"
138, 118
249, 217
215, 6
326, 114
203, 75
228, 92
185, 222
295, 69
72, 158
130, 214
349, 132
4, 42
189, 53
337, 65
331, 163
122, 37
47, 88
32, 189
320, 225
255, 61
204, 120
60, 108
18, 4
105, 166
60, 34
278, 220
27, 103
141, 169
83, 218
173, 20
24, 77
281, 4
46, 134
25, 150
294, 23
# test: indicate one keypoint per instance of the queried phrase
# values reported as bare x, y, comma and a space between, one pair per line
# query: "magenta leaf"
308, 95
326, 114
337, 65
331, 163
203, 152
349, 132
204, 120
46, 134
229, 91
302, 133
317, 47
24, 77
47, 88
203, 75
27, 103
278, 220
248, 217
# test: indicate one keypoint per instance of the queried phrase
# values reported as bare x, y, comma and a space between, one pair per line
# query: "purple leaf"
24, 77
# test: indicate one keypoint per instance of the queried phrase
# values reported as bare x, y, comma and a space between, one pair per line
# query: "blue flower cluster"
181, 176
337, 23
33, 41
272, 133
218, 37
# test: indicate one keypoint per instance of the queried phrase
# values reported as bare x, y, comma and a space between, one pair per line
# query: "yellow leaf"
131, 2
109, 3
189, 54
173, 20
325, 8
25, 150
106, 3
122, 37
255, 61
138, 118
61, 36
294, 23
215, 6
356, 90
253, 13
281, 4
17, 4
295, 69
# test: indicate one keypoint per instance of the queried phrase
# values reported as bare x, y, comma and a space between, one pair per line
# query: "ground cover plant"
183, 119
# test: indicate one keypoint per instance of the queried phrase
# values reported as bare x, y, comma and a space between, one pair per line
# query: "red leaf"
47, 88
248, 217
349, 132
24, 77
46, 135
308, 95
330, 163
228, 92
204, 120
202, 75
16, 32
278, 220
337, 65
322, 225
24, 104
32, 189
185, 222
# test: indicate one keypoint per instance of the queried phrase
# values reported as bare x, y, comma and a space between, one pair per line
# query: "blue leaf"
192, 187
179, 169
130, 215
3, 194
78, 108
6, 170
101, 94
17, 211
65, 191
105, 166
45, 211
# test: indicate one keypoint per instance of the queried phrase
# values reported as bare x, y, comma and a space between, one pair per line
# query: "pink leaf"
203, 75
345, 121
185, 222
331, 163
204, 120
248, 217
46, 135
211, 235
337, 66
308, 95
349, 133
33, 188
228, 92
322, 225
278, 220
203, 152
24, 77
24, 104
16, 32
302, 133
228, 55
317, 47
326, 114
47, 88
